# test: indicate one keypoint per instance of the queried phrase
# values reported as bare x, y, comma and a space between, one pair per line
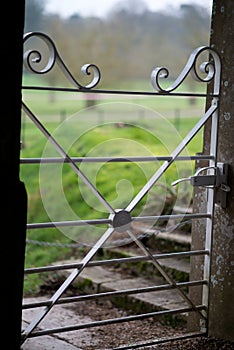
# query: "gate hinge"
218, 180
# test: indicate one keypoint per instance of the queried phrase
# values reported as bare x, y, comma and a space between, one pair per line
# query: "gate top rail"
211, 69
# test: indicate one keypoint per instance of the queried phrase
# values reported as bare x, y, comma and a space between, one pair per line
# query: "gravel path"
117, 335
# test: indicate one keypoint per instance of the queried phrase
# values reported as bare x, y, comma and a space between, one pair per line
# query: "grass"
62, 104
114, 127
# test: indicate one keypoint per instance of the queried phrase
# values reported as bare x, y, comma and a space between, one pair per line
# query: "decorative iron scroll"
211, 69
33, 57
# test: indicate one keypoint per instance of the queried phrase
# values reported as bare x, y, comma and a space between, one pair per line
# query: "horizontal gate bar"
114, 261
172, 216
68, 223
108, 221
123, 292
114, 321
119, 92
111, 159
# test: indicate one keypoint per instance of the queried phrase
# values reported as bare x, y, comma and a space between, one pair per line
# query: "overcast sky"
100, 8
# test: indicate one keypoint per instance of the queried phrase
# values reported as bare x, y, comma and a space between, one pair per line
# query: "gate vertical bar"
13, 195
210, 210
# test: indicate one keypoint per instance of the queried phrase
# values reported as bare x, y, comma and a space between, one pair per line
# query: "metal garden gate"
121, 219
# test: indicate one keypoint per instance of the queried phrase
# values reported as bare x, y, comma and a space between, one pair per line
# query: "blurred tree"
128, 43
195, 32
132, 7
195, 19
34, 15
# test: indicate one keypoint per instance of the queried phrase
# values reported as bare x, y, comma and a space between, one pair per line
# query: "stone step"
97, 280
177, 268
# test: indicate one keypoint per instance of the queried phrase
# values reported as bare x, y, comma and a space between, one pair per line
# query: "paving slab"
102, 280
47, 343
59, 316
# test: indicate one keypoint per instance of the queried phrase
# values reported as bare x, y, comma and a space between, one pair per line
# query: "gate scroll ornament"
121, 219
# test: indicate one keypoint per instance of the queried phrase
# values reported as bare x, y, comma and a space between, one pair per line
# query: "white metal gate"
122, 219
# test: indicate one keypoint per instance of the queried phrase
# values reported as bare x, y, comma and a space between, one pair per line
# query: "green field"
114, 126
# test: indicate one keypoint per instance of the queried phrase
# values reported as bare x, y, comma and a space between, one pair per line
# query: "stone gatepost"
221, 297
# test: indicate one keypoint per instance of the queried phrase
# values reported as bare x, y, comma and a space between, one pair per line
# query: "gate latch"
217, 180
